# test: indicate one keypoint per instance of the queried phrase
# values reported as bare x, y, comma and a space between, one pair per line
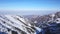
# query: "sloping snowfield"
15, 23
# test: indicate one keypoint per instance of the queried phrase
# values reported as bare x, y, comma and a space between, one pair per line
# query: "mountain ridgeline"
16, 24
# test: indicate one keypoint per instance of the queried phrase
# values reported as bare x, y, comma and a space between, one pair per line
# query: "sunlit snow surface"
16, 23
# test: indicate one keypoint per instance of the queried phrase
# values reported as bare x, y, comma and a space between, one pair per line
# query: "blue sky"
29, 4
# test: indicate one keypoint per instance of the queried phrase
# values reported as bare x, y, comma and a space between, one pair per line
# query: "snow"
58, 20
16, 23
39, 29
11, 22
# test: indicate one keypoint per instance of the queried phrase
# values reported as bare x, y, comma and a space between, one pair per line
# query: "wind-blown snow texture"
15, 23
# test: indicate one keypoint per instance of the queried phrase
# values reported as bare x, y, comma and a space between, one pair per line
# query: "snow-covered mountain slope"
16, 23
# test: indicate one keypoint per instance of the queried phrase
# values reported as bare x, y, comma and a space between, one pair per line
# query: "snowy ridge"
16, 23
